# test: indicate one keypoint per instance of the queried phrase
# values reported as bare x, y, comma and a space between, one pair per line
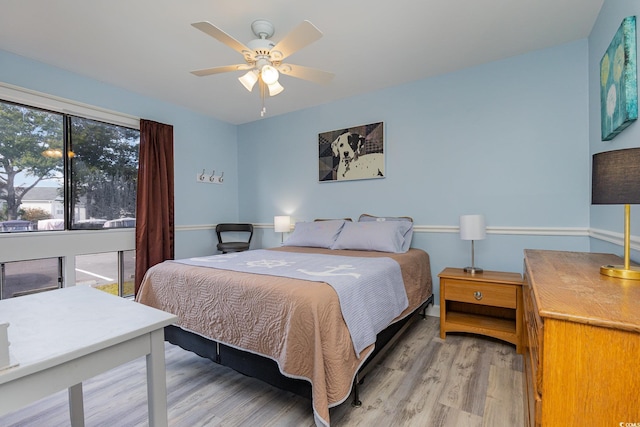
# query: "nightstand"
487, 303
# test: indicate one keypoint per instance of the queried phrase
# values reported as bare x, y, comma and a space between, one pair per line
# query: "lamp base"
633, 273
473, 270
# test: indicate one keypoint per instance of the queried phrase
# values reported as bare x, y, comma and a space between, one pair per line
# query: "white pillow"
317, 234
382, 236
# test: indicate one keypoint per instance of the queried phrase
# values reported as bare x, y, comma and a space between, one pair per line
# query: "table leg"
157, 381
76, 405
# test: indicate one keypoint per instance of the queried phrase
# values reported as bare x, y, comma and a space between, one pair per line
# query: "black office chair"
234, 246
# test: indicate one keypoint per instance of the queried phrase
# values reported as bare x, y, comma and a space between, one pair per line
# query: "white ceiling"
149, 46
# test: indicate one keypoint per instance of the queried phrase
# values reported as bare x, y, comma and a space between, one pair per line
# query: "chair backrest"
234, 228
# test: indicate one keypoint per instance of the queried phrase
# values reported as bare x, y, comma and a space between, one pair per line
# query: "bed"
289, 331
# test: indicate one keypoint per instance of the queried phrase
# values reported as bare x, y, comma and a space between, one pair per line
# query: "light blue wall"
200, 142
609, 218
506, 139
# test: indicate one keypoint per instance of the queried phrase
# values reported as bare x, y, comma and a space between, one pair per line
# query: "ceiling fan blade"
302, 35
217, 33
306, 73
218, 70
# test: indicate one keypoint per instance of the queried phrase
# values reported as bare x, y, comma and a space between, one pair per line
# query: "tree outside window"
26, 134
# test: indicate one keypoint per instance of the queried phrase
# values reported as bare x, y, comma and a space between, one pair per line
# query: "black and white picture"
353, 153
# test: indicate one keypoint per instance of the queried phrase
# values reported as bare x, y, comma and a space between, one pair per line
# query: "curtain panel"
154, 199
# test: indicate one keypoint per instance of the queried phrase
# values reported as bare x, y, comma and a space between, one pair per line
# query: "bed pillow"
408, 237
367, 217
381, 236
317, 234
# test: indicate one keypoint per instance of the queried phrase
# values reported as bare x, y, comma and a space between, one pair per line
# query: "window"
59, 171
103, 162
27, 277
31, 143
112, 272
64, 165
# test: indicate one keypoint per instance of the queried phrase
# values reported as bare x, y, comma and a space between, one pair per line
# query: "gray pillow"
317, 234
367, 217
382, 236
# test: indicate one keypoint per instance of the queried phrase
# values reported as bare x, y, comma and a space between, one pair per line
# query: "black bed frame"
267, 369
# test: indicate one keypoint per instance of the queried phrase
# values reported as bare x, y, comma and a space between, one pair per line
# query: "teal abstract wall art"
618, 81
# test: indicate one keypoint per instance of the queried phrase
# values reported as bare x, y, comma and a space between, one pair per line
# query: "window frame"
65, 106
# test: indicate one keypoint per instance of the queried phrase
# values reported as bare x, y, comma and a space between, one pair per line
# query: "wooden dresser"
582, 341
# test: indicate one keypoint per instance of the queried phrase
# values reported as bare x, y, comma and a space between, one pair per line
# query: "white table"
63, 337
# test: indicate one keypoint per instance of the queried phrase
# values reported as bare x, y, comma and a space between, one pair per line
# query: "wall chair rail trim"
535, 231
615, 238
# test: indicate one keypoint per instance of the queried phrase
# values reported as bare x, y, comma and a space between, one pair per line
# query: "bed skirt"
266, 369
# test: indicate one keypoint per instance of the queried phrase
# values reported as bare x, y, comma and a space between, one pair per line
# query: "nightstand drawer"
481, 293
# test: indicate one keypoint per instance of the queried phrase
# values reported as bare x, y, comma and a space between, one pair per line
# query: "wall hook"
209, 179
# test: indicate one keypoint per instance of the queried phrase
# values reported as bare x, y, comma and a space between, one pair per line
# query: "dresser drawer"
535, 342
481, 293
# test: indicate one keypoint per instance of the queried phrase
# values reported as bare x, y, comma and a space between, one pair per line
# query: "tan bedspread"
295, 322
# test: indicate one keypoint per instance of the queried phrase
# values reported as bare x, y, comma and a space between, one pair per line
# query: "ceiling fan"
263, 57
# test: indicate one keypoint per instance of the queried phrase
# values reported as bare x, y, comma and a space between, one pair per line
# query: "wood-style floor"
464, 380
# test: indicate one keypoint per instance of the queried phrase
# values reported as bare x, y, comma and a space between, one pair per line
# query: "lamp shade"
249, 79
616, 177
282, 224
472, 227
275, 88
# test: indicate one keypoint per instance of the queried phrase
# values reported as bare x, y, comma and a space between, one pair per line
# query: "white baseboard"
433, 310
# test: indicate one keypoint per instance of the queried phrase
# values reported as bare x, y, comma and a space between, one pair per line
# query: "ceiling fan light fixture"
249, 79
275, 88
269, 75
263, 57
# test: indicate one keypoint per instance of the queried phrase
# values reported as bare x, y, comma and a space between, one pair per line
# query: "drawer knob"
477, 295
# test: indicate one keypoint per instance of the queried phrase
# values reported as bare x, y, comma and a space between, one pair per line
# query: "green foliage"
25, 134
112, 288
105, 167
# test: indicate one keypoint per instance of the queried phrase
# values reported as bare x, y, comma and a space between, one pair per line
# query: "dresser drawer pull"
477, 295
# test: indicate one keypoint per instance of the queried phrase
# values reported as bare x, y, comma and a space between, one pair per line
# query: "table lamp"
616, 181
472, 227
282, 224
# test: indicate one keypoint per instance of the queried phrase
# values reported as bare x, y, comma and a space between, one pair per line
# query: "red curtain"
154, 198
